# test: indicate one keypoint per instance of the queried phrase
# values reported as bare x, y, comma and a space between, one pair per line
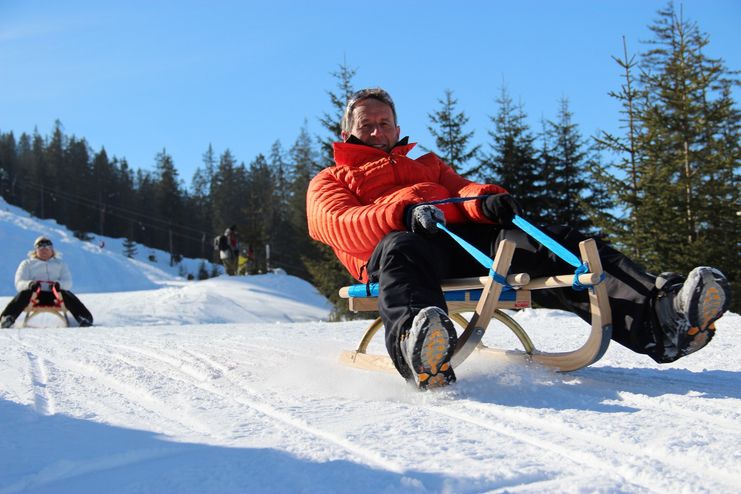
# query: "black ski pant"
409, 268
23, 298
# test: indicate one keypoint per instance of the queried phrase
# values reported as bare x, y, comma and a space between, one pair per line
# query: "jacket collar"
355, 152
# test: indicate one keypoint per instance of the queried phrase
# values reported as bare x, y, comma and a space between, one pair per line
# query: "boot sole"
431, 358
710, 301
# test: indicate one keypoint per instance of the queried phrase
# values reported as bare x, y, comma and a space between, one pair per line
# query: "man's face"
374, 124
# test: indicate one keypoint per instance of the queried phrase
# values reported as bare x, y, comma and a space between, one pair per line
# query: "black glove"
33, 285
501, 208
57, 287
422, 219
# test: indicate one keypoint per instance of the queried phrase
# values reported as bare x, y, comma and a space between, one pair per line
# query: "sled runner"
47, 301
486, 296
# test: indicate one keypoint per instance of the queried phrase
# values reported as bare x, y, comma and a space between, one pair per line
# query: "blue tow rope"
482, 258
528, 228
556, 248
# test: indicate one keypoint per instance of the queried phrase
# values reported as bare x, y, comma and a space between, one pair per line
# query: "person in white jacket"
44, 273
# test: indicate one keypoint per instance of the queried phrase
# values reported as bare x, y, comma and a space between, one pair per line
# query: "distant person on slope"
367, 208
41, 272
229, 250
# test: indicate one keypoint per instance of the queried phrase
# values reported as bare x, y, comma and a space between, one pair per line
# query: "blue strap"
482, 258
463, 295
528, 228
576, 284
544, 239
557, 249
453, 200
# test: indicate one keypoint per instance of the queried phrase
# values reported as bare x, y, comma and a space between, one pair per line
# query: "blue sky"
139, 76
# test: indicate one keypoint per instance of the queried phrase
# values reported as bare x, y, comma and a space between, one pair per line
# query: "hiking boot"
84, 322
428, 347
7, 321
687, 309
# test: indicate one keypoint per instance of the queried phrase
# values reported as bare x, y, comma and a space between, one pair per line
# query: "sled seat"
42, 305
486, 298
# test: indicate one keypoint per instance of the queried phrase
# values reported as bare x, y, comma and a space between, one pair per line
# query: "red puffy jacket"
353, 205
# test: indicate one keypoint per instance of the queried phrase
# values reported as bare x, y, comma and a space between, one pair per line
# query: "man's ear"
345, 136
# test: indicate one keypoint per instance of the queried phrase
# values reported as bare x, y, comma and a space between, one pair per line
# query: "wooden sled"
36, 307
486, 298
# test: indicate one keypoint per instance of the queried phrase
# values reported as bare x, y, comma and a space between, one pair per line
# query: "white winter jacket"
33, 269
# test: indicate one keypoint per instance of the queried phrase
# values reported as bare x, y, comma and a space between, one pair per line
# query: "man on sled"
45, 275
367, 208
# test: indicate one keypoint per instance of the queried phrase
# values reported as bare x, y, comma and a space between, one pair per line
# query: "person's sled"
485, 297
46, 301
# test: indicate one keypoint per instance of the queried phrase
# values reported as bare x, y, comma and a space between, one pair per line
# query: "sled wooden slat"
521, 301
482, 299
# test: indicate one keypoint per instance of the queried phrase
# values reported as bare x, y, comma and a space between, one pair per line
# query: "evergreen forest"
665, 189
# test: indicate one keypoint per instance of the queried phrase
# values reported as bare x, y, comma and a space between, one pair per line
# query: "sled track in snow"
38, 372
724, 417
130, 396
196, 370
213, 377
43, 402
221, 379
640, 391
589, 450
586, 448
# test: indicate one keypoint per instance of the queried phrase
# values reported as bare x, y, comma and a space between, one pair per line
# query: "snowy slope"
232, 385
94, 269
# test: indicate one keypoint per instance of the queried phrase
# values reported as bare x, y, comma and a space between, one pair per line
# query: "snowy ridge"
94, 268
232, 385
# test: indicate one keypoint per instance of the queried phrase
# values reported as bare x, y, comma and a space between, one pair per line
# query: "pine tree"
282, 233
257, 208
338, 100
680, 154
202, 271
129, 247
58, 180
723, 232
684, 124
8, 166
450, 138
168, 202
625, 182
279, 168
144, 187
201, 182
226, 192
38, 177
567, 181
201, 201
304, 164
77, 158
512, 161
102, 178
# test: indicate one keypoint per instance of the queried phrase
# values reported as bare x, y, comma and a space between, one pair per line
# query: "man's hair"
369, 93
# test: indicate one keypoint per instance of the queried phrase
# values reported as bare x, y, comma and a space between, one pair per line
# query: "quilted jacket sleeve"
22, 276
65, 277
338, 218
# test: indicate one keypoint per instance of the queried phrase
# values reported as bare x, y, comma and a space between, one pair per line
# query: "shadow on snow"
62, 454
